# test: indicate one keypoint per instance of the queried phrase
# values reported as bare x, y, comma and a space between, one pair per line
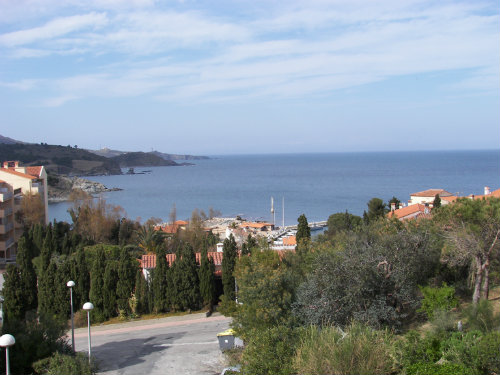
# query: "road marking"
190, 343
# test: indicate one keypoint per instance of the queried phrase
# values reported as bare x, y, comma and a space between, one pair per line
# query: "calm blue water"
315, 184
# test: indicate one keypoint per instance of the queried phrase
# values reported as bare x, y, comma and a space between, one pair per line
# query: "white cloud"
52, 29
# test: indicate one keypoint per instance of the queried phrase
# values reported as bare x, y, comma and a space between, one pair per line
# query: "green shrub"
361, 350
443, 321
488, 357
65, 364
424, 368
442, 298
462, 348
270, 351
481, 317
413, 348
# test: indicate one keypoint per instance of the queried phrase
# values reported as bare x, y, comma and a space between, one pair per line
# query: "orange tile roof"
181, 222
149, 260
431, 193
24, 175
402, 213
290, 241
34, 171
254, 225
452, 198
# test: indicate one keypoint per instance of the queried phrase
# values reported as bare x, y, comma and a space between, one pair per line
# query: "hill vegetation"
141, 159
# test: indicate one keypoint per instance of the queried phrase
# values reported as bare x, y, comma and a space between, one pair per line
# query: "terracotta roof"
289, 241
24, 175
254, 225
450, 199
149, 260
34, 171
414, 210
181, 222
432, 193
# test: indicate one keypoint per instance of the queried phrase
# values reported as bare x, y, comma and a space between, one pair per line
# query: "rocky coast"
60, 187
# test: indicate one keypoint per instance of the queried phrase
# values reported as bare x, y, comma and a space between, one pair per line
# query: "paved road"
177, 345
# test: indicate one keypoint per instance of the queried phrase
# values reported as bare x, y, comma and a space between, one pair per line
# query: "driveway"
177, 345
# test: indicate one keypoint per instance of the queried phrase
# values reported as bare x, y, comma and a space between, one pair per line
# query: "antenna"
283, 204
272, 209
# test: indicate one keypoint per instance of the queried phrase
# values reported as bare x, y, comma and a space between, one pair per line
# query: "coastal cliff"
60, 187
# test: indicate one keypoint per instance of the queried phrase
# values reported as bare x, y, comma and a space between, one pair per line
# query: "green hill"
141, 159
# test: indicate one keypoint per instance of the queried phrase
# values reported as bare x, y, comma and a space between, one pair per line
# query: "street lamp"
70, 284
88, 306
5, 342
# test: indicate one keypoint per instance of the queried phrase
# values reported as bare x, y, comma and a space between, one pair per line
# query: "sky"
251, 77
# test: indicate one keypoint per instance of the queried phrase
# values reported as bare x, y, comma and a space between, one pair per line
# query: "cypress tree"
61, 302
142, 293
38, 237
228, 264
207, 278
303, 230
437, 201
13, 307
127, 270
159, 282
97, 285
189, 290
81, 278
46, 287
25, 254
109, 292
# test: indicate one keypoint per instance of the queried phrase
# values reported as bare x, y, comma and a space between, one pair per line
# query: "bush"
423, 368
413, 348
80, 319
270, 351
481, 317
361, 350
64, 364
462, 348
488, 358
442, 298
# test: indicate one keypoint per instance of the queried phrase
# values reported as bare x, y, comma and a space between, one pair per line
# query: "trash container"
226, 339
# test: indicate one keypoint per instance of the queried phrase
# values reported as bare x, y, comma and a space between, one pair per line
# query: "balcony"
6, 228
4, 212
5, 195
5, 244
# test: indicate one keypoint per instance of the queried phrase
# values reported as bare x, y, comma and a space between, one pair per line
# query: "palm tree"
149, 239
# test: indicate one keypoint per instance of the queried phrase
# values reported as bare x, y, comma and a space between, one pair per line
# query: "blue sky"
225, 77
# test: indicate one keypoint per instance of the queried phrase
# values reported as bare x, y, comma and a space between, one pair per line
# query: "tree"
82, 278
25, 255
207, 278
97, 285
472, 228
149, 239
230, 253
376, 209
394, 201
110, 280
142, 294
188, 289
159, 282
343, 221
127, 269
437, 201
32, 210
14, 306
303, 230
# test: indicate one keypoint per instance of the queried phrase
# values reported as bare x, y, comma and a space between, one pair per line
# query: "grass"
117, 320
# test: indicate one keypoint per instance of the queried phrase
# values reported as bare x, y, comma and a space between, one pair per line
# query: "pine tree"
109, 290
25, 254
207, 278
97, 285
159, 282
228, 264
188, 290
303, 230
127, 269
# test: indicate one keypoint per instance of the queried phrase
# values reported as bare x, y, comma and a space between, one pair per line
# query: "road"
176, 345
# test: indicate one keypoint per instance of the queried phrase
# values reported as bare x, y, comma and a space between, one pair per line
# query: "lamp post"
70, 284
88, 306
7, 341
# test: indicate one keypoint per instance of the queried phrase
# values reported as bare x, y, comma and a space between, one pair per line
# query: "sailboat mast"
283, 206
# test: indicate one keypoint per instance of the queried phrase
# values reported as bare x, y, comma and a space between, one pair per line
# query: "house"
487, 194
172, 228
17, 181
285, 243
148, 262
428, 196
255, 227
413, 211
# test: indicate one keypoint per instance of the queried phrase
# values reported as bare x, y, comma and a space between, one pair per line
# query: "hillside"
8, 141
60, 159
112, 153
141, 159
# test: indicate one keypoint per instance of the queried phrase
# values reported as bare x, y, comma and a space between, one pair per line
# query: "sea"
316, 185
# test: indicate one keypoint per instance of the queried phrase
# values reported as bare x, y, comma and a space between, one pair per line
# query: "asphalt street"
177, 345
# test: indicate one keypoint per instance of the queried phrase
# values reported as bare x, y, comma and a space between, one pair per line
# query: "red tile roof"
254, 225
24, 175
409, 212
289, 241
34, 171
149, 260
431, 193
